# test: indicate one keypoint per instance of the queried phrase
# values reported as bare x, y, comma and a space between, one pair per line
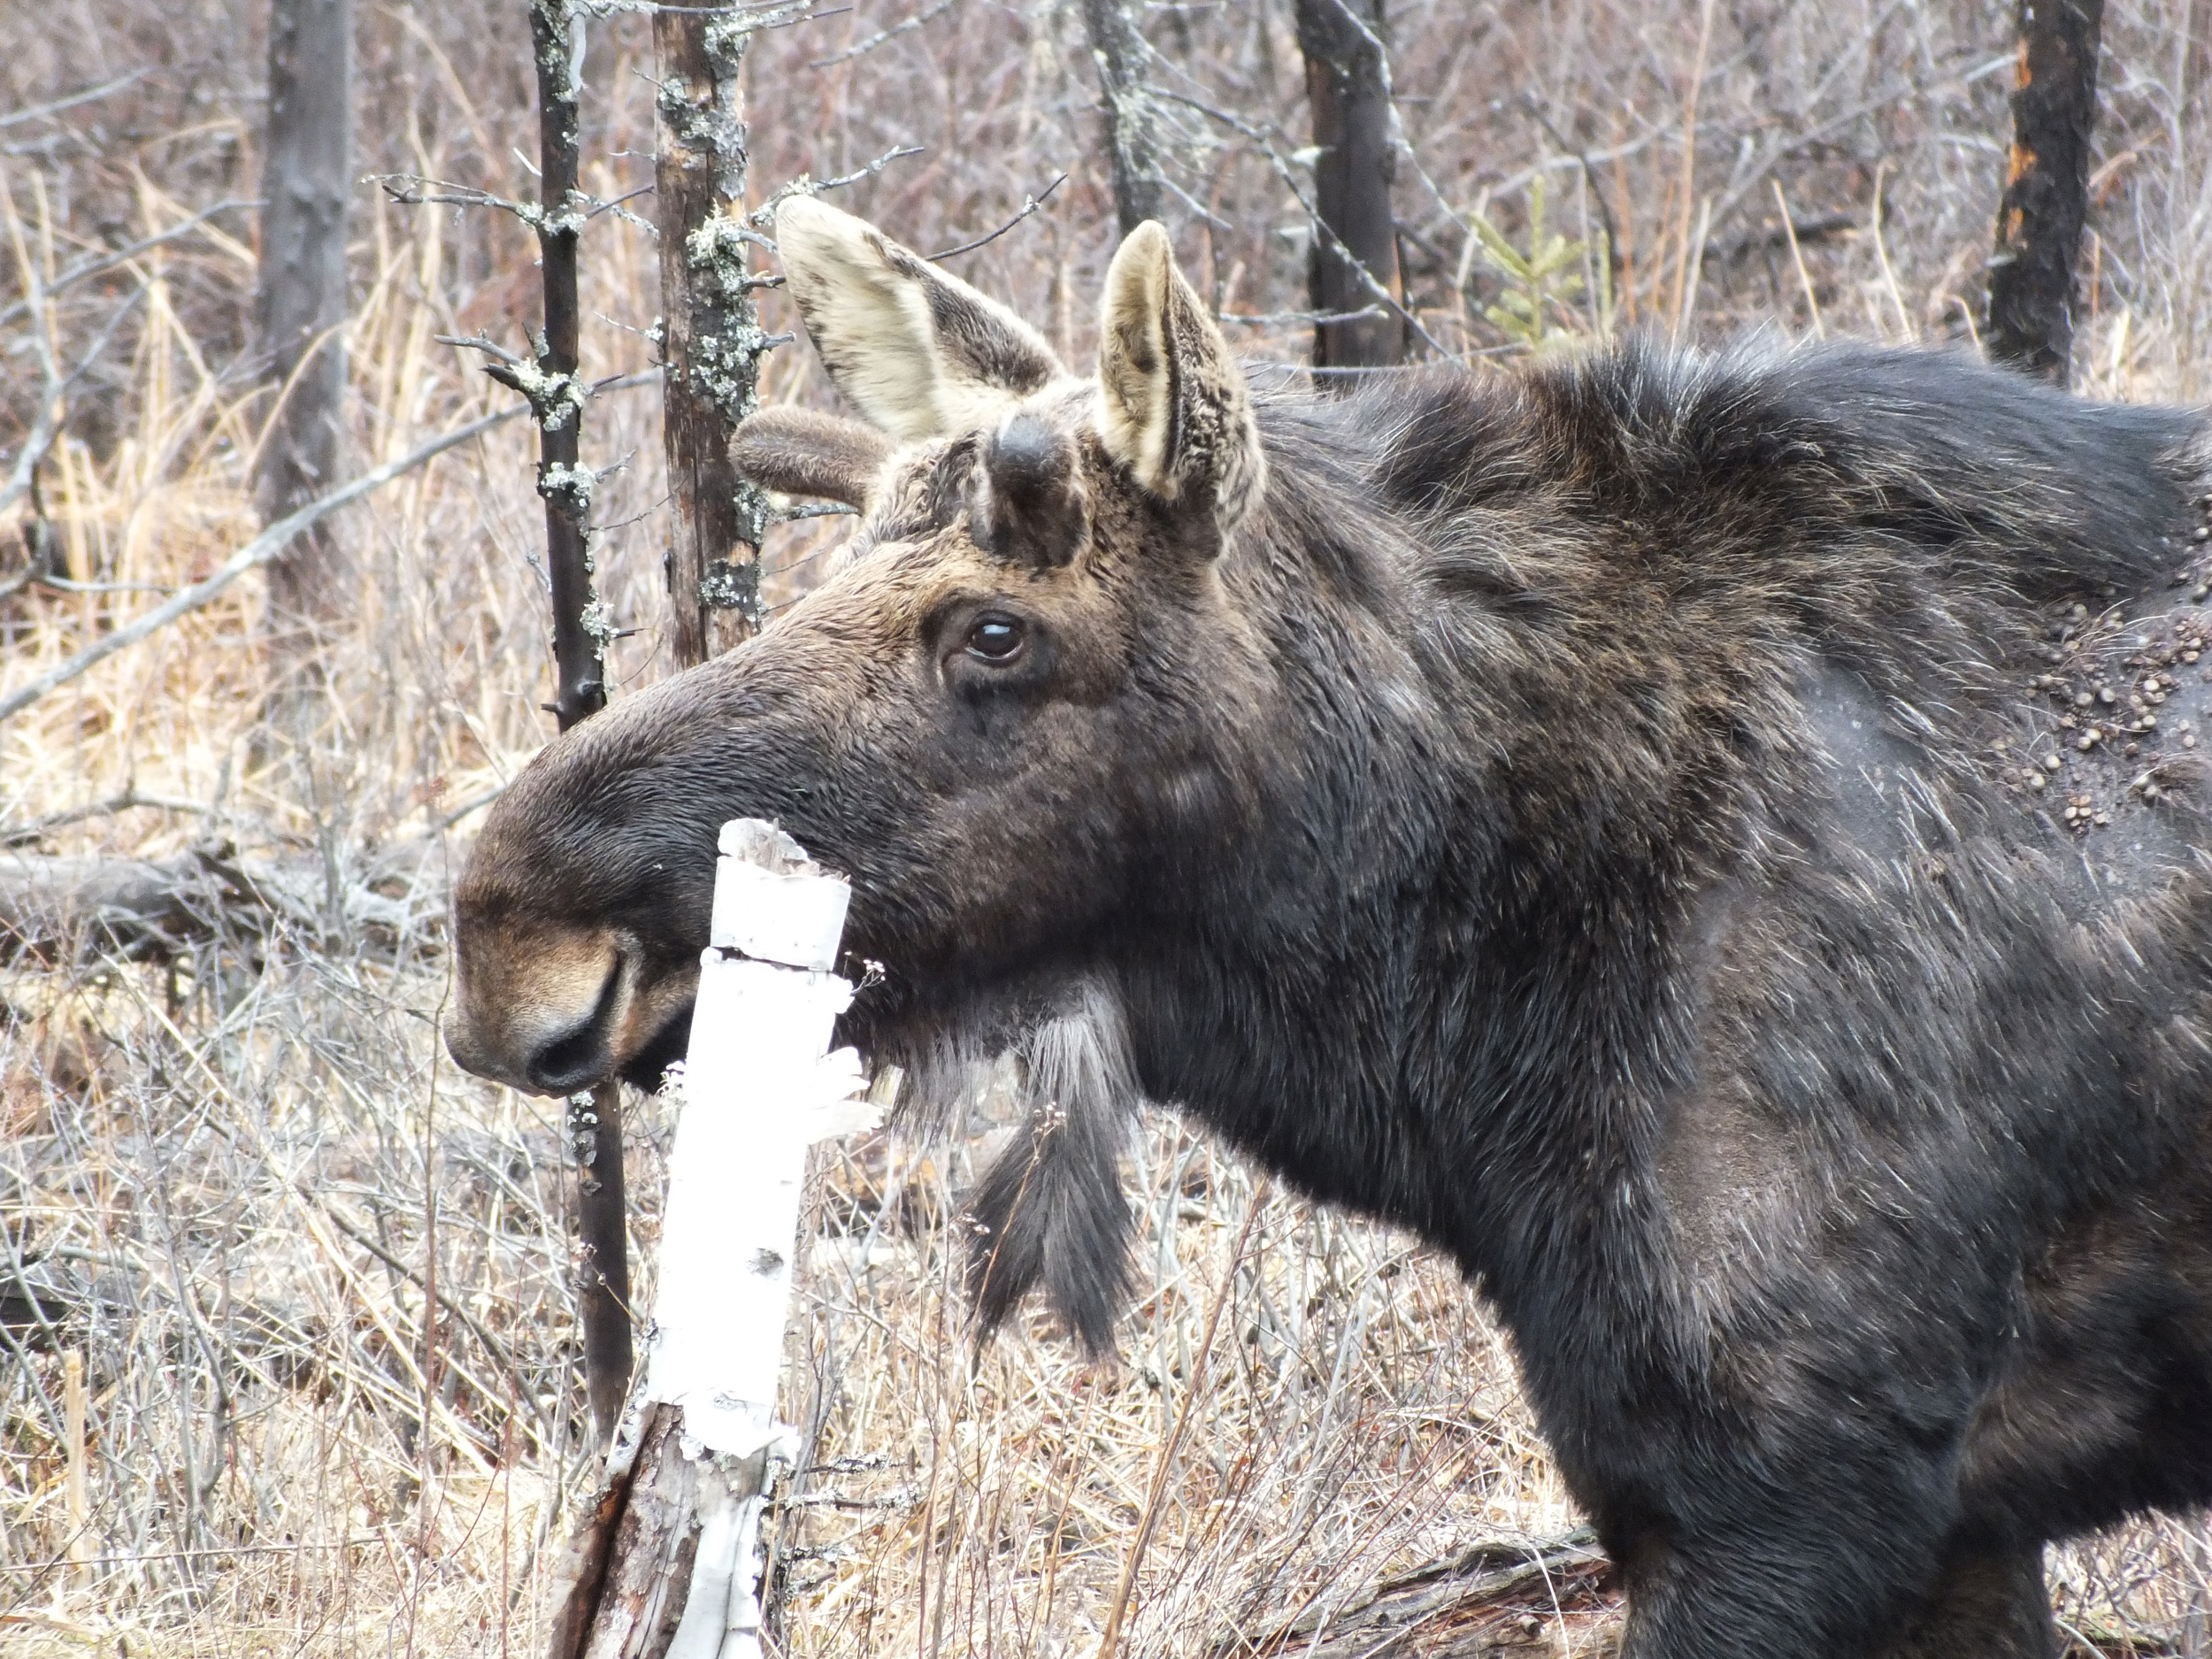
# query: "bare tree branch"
69, 102
1030, 204
862, 48
46, 423
256, 552
93, 265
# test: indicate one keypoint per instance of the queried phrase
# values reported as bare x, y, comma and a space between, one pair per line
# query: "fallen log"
1494, 1596
79, 908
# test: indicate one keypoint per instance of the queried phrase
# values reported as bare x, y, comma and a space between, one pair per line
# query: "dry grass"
234, 1174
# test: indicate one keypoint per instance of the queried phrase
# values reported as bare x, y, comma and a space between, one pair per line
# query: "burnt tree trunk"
580, 632
1119, 48
2046, 199
710, 338
306, 180
1354, 260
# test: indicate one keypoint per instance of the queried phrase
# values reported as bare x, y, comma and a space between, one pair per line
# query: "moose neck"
1430, 943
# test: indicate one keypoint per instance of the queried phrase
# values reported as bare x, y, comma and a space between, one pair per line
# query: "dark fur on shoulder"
1713, 842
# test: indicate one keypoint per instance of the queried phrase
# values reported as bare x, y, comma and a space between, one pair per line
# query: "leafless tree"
551, 380
711, 338
1355, 245
2046, 201
580, 633
306, 179
1119, 50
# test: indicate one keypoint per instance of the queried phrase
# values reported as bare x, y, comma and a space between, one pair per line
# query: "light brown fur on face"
948, 378
879, 653
521, 990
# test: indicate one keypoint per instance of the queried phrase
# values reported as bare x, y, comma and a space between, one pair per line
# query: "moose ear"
804, 452
1172, 403
918, 352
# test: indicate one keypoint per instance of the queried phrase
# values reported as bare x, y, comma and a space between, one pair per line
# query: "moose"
1711, 840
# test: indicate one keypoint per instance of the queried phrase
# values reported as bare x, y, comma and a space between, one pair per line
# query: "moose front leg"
1847, 1597
1808, 1533
1989, 1603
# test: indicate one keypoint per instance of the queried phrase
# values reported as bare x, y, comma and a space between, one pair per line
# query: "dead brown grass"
234, 1178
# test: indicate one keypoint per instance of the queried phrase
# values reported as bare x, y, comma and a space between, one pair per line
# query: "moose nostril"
579, 1057
573, 1063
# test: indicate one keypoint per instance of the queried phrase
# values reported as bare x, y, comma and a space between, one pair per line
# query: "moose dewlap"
1713, 843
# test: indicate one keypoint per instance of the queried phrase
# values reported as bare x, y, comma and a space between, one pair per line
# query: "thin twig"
59, 1562
409, 189
1881, 254
1797, 259
70, 101
490, 1343
749, 19
1289, 180
882, 36
1030, 204
483, 342
46, 425
615, 207
1166, 1468
18, 834
766, 213
1682, 278
93, 265
1298, 320
1589, 178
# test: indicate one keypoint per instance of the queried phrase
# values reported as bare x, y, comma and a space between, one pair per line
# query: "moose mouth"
646, 1068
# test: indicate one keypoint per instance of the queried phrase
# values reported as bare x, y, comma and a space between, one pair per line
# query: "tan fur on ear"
918, 352
804, 452
1172, 403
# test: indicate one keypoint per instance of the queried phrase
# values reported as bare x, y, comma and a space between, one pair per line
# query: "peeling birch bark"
667, 1562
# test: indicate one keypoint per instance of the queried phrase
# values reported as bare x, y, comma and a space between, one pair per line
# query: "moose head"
1010, 704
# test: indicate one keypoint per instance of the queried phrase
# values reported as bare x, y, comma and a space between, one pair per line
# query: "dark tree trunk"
711, 338
603, 1295
580, 632
1119, 48
2047, 188
306, 181
1355, 246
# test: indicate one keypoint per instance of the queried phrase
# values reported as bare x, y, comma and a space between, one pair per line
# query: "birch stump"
666, 1560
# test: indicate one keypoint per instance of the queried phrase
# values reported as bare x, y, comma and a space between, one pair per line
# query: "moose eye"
994, 639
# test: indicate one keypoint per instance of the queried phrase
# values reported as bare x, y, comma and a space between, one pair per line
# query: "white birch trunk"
759, 1086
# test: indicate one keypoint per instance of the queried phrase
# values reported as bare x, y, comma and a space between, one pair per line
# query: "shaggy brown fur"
1712, 842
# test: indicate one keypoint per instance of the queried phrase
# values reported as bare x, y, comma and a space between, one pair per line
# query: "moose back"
1712, 842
